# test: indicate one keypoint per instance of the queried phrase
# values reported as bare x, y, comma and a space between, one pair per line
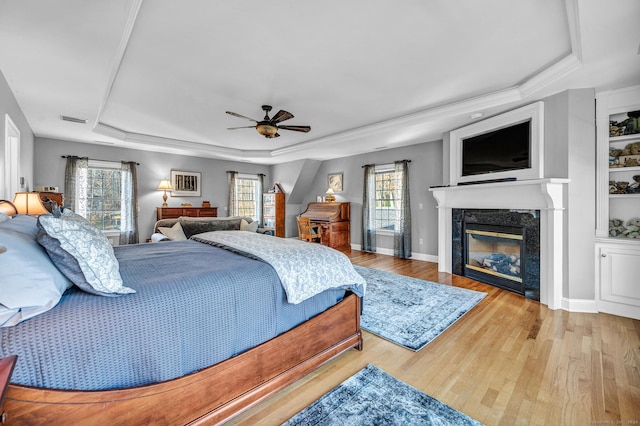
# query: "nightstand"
6, 368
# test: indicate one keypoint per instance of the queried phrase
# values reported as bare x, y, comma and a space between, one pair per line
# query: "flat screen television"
500, 150
503, 147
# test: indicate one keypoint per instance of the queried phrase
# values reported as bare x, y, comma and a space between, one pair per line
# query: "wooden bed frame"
209, 396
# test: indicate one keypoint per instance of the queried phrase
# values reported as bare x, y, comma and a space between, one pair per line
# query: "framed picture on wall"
334, 181
185, 184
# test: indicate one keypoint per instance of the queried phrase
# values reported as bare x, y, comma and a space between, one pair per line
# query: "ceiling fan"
269, 127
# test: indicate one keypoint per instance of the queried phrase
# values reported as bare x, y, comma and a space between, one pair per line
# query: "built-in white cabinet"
618, 206
617, 271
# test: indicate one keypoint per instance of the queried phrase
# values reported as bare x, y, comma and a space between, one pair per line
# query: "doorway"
11, 183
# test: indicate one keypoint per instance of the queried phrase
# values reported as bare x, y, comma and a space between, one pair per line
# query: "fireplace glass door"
494, 254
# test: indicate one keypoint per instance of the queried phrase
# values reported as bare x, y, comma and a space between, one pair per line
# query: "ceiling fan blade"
243, 127
296, 128
281, 116
241, 116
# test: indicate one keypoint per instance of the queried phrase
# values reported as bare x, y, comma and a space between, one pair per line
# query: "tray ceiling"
363, 74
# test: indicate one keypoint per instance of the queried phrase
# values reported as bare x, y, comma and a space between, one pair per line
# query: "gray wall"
425, 170
49, 170
9, 105
570, 152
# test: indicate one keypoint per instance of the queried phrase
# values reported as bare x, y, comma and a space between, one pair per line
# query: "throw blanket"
305, 269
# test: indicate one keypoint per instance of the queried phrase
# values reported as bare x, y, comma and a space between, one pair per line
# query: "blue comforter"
195, 305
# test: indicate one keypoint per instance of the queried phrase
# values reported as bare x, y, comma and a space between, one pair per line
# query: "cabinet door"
619, 281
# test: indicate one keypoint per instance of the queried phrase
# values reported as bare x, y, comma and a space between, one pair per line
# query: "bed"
167, 364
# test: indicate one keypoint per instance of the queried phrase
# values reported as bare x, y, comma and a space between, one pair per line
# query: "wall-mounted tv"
500, 150
506, 146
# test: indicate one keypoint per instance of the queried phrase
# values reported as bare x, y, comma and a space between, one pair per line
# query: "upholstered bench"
183, 228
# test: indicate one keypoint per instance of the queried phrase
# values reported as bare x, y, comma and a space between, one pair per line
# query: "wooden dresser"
175, 212
334, 220
58, 197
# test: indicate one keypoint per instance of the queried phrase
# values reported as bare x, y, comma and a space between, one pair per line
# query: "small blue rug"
373, 397
411, 312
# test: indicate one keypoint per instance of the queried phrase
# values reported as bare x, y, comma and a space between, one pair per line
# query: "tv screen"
497, 151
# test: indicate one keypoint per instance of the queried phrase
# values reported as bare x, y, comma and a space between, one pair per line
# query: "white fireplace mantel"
546, 195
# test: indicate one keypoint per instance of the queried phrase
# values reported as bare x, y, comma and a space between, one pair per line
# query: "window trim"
384, 168
108, 165
254, 178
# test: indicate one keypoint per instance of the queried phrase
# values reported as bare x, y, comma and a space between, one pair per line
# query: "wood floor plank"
508, 361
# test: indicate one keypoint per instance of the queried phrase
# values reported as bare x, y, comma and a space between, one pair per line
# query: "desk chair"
308, 232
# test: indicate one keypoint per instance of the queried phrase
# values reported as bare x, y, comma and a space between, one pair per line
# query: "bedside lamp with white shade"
29, 203
165, 185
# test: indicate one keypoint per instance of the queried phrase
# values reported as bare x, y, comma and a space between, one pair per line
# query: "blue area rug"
409, 311
373, 397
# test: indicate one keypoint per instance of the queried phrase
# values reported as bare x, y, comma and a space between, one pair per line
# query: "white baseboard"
389, 252
579, 305
619, 309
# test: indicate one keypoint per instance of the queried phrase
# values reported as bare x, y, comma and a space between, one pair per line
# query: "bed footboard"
209, 396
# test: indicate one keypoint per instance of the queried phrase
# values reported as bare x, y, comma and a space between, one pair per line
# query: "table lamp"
29, 203
329, 198
165, 185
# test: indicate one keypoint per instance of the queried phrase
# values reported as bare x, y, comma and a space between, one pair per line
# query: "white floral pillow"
82, 253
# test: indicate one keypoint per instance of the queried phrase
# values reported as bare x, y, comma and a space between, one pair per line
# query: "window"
106, 194
101, 204
385, 196
248, 190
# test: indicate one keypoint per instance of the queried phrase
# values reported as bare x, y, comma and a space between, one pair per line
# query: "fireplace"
498, 247
545, 197
494, 254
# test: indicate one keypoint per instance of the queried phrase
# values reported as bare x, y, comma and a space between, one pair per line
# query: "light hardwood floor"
508, 361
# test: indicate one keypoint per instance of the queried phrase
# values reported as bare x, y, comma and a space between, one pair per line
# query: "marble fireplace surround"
546, 195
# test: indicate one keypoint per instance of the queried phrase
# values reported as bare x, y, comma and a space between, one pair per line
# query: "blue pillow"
82, 253
31, 284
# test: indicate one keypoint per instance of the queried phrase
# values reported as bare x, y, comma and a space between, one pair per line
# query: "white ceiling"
364, 74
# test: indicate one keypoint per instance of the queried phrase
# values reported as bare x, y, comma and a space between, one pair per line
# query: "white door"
11, 159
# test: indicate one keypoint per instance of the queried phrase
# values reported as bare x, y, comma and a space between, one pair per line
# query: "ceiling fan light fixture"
266, 130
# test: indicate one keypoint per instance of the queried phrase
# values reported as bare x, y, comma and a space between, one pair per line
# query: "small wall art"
334, 181
185, 184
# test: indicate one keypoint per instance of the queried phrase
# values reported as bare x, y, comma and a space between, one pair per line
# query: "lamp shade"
29, 203
165, 185
329, 191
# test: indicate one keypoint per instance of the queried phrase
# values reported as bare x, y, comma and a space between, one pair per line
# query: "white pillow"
174, 233
4, 217
30, 282
249, 227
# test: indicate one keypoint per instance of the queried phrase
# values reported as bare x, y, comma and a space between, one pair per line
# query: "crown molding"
180, 146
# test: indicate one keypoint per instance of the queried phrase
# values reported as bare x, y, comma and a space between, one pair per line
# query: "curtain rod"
65, 156
245, 173
399, 161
